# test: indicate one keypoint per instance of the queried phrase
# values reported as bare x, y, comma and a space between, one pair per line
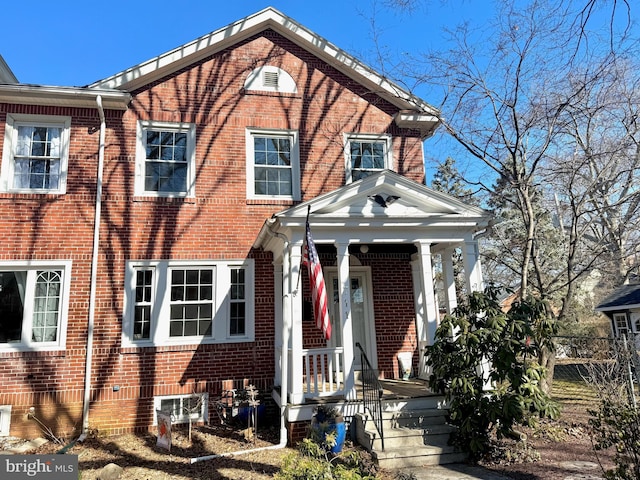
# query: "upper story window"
273, 164
35, 154
33, 305
182, 302
165, 159
366, 154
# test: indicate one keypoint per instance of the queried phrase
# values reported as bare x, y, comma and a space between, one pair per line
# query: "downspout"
94, 271
284, 365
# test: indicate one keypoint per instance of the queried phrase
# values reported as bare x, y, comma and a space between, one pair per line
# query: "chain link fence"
582, 364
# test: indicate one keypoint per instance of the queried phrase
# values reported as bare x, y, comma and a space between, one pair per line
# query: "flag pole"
303, 244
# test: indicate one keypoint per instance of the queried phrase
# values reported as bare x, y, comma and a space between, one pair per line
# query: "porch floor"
398, 389
392, 390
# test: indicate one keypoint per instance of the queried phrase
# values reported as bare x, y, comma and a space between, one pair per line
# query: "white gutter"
284, 363
94, 271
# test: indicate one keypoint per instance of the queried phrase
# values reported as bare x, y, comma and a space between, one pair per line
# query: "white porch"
424, 222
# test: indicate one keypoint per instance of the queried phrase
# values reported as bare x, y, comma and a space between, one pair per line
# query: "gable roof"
410, 208
413, 112
6, 75
624, 297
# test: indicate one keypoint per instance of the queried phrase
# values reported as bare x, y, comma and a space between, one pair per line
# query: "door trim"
370, 321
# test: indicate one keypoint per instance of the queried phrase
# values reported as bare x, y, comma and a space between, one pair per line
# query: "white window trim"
295, 163
190, 130
202, 416
65, 266
15, 120
5, 420
624, 316
159, 330
349, 137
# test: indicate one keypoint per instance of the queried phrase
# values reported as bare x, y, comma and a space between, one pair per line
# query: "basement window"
183, 408
5, 420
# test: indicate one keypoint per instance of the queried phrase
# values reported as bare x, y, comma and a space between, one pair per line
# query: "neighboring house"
153, 225
622, 307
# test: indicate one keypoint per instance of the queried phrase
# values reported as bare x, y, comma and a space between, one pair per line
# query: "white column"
344, 282
430, 308
449, 280
472, 270
473, 274
421, 317
297, 390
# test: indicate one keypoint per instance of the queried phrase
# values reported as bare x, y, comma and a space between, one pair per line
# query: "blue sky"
76, 43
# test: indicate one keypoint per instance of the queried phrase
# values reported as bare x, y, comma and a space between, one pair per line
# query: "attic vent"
270, 79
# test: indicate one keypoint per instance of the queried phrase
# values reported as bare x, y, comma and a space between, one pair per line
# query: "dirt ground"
555, 450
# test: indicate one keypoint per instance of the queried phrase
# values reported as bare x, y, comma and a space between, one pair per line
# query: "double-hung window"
35, 154
621, 323
273, 164
366, 154
165, 159
33, 305
169, 302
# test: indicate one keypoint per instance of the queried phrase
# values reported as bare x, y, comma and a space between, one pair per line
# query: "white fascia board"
207, 45
25, 94
6, 74
618, 307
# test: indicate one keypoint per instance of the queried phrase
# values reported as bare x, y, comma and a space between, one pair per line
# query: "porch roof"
382, 208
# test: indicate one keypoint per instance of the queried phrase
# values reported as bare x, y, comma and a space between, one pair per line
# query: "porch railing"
371, 392
323, 370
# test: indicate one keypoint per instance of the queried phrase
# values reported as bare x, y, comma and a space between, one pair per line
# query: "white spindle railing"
323, 370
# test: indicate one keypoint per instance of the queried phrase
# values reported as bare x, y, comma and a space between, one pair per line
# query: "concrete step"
407, 436
418, 403
399, 457
416, 433
415, 418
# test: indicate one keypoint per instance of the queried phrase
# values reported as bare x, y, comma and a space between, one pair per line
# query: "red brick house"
153, 226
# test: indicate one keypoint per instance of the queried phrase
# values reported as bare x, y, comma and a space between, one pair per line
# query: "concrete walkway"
454, 471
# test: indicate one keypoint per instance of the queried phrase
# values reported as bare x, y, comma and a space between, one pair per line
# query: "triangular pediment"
385, 207
386, 195
413, 112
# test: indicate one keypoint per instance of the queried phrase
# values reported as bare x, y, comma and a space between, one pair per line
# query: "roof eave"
611, 308
24, 94
269, 18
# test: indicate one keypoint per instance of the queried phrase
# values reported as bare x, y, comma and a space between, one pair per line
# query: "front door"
363, 325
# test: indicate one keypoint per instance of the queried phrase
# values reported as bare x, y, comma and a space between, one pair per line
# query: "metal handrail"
371, 392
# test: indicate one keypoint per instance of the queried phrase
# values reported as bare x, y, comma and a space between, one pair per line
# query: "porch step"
398, 458
416, 433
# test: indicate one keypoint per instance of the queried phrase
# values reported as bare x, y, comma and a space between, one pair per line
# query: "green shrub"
485, 361
313, 462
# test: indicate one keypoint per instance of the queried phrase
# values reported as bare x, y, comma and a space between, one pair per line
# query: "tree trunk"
547, 359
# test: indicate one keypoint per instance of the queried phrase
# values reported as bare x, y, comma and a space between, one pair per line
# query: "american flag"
316, 280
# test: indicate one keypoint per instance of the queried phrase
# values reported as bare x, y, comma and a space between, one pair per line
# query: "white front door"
363, 325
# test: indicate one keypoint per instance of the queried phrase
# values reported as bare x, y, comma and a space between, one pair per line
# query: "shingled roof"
625, 297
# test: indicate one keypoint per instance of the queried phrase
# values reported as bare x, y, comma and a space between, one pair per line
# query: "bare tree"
594, 171
511, 94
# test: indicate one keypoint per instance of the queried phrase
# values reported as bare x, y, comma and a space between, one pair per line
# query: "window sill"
24, 351
158, 199
271, 201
